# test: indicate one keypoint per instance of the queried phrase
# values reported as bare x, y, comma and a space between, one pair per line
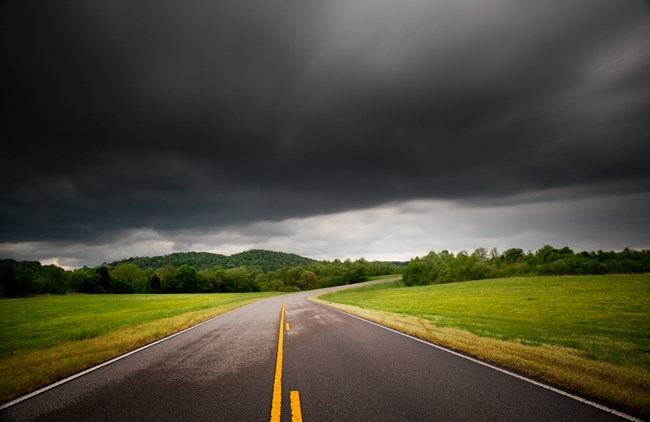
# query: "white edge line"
496, 368
115, 359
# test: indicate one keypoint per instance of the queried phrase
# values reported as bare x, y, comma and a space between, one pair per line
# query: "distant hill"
198, 260
267, 260
255, 258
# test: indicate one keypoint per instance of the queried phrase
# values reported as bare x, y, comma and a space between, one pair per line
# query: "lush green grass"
47, 338
381, 277
605, 317
43, 322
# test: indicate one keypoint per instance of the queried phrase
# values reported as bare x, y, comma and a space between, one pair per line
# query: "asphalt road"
343, 369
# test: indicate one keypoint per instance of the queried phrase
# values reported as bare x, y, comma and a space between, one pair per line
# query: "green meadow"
46, 338
566, 329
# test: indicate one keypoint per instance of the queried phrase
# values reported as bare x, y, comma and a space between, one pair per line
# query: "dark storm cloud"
187, 115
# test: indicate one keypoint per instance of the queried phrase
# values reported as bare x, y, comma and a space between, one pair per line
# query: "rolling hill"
255, 258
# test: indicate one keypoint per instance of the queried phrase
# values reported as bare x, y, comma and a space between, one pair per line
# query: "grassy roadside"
590, 334
48, 338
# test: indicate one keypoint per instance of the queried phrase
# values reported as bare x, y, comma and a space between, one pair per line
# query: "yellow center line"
296, 413
288, 326
276, 404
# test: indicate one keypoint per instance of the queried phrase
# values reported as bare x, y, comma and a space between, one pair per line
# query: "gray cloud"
393, 231
194, 116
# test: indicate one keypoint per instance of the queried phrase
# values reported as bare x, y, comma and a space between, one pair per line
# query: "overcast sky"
327, 128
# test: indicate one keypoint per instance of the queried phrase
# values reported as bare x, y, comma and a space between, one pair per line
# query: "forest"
190, 272
445, 267
259, 270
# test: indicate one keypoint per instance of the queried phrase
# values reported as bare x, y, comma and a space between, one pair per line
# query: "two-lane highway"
329, 367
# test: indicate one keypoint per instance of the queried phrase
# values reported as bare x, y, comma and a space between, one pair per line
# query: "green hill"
256, 258
267, 260
198, 260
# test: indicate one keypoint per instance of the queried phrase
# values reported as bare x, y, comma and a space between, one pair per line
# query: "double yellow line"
276, 404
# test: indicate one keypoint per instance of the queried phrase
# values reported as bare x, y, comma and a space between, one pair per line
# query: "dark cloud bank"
183, 116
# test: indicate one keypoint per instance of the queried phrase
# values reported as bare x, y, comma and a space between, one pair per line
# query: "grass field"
47, 338
588, 333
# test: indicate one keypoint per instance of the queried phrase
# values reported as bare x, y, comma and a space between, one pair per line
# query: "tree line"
446, 267
266, 271
24, 278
